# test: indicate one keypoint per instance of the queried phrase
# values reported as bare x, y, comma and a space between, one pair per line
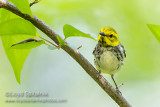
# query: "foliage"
27, 44
70, 31
155, 29
15, 31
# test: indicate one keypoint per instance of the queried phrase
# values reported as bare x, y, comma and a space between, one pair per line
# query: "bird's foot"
117, 88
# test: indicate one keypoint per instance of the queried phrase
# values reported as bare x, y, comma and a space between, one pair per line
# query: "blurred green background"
56, 73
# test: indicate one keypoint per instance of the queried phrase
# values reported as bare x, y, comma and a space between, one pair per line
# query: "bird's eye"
111, 35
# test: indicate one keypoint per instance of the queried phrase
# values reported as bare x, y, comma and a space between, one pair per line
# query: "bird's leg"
112, 76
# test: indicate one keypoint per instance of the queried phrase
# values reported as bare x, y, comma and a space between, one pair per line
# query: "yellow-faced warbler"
109, 53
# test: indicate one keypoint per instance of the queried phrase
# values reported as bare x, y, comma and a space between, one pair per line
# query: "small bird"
109, 53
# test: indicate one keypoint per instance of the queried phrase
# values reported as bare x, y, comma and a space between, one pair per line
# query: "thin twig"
77, 50
34, 2
48, 42
85, 64
120, 85
79, 47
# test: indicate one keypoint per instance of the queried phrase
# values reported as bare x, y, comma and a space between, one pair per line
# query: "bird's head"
108, 37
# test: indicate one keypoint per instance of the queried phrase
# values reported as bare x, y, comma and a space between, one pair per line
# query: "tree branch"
34, 2
85, 64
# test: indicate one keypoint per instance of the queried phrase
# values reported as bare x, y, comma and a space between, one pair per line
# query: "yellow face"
108, 37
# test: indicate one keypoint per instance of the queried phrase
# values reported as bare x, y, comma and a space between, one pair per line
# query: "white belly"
109, 63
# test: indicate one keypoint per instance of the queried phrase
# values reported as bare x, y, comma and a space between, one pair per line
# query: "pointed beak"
102, 34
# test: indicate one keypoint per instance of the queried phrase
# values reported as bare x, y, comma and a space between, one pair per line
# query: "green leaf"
52, 47
28, 44
14, 29
16, 26
16, 57
155, 29
61, 41
70, 31
22, 6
